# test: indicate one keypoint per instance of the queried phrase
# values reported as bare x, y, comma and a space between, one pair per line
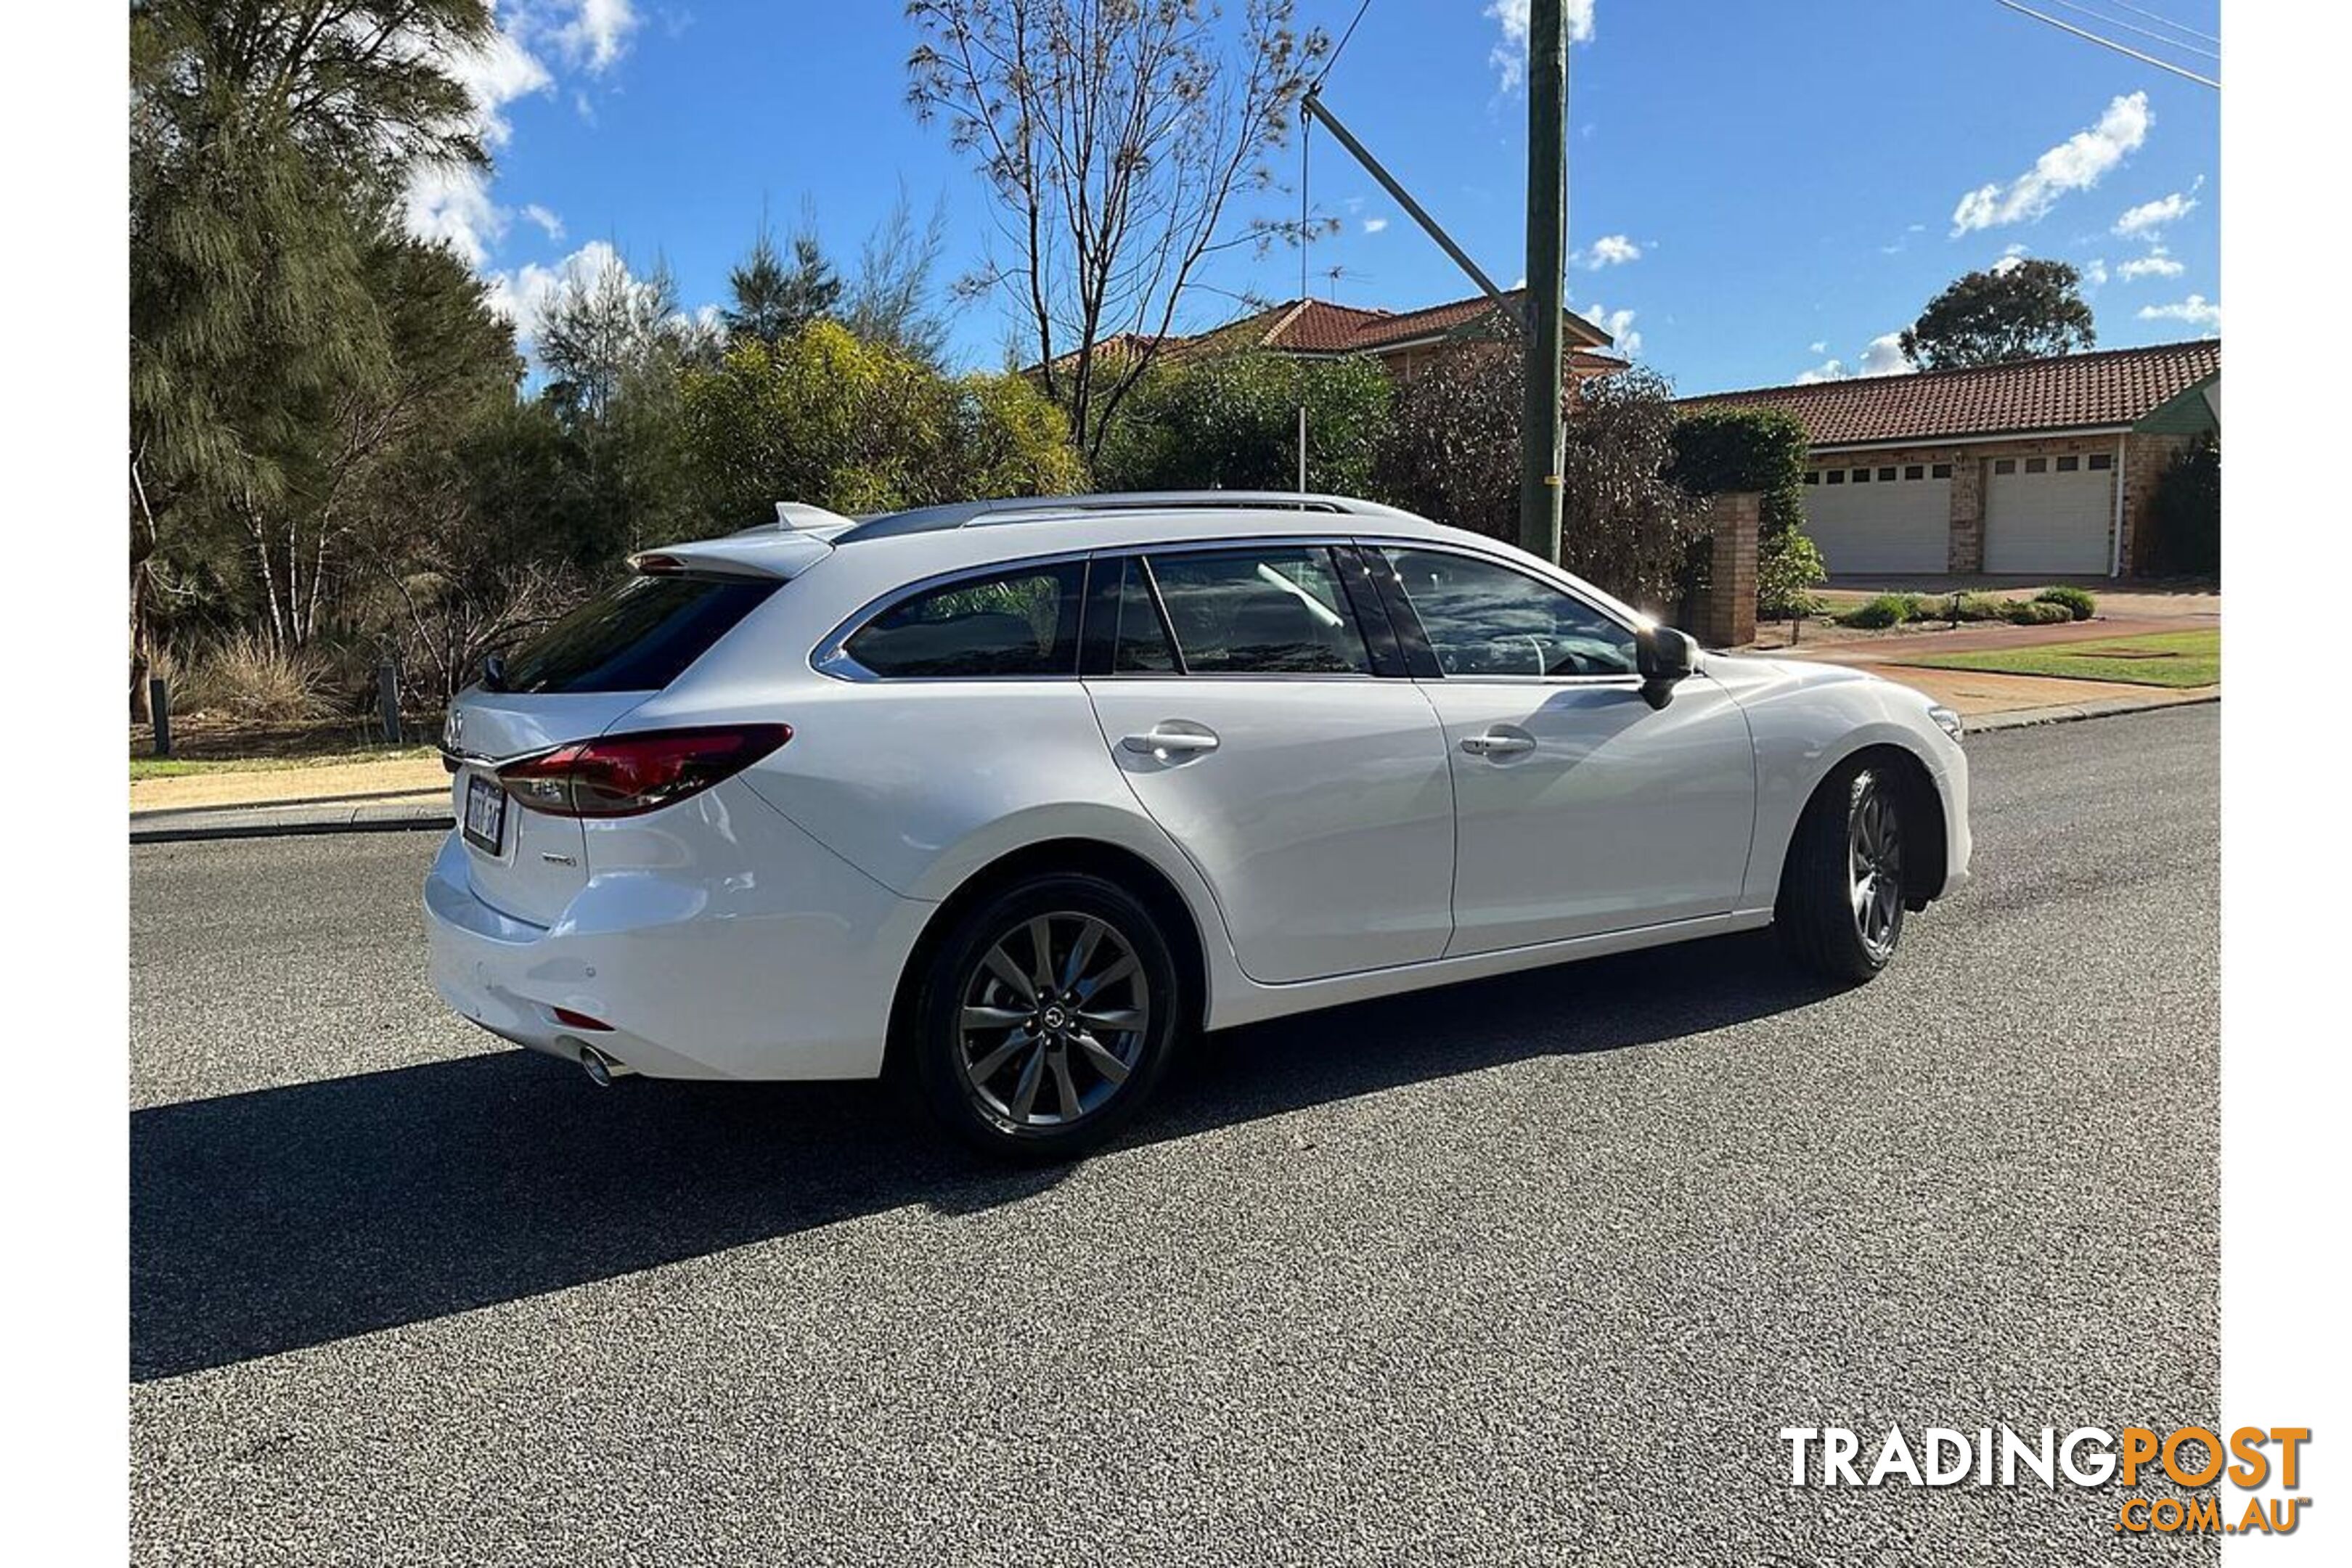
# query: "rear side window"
637, 637
1023, 622
1273, 611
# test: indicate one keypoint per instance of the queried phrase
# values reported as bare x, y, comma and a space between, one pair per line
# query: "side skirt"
1251, 1002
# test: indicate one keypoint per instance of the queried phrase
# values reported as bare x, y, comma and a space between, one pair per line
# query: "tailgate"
539, 861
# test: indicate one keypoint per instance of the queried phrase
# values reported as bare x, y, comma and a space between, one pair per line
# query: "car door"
1235, 690
1579, 808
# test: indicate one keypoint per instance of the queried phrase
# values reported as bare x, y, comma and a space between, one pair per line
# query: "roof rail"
1032, 508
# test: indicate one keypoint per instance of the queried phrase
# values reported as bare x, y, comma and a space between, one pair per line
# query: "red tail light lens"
624, 775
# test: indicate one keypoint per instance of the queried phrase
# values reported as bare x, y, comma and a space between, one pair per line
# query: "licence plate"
486, 814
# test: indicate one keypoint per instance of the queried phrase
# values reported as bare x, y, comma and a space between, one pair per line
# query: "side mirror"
1665, 657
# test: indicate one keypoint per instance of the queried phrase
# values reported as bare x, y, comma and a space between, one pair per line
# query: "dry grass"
246, 677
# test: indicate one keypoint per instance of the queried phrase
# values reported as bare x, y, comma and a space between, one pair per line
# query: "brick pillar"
1727, 612
1965, 548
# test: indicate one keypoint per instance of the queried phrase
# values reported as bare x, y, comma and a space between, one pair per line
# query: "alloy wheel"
1052, 1021
1874, 865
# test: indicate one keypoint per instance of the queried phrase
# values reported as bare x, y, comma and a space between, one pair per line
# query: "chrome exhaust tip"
602, 1067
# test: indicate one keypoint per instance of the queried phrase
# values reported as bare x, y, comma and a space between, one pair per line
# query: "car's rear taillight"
622, 775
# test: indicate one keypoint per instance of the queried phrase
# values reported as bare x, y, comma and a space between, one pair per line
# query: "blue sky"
1798, 179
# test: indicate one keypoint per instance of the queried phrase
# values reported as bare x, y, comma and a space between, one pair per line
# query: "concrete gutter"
374, 813
2095, 708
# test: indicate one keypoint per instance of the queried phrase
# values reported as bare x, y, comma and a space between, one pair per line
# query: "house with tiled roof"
2042, 467
1403, 341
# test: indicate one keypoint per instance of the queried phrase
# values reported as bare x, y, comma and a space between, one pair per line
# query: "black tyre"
1044, 1018
1840, 906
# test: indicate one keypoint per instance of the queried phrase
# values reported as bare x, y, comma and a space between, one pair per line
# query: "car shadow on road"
289, 1218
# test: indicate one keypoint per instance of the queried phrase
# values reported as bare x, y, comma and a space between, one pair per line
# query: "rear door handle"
1499, 742
1172, 739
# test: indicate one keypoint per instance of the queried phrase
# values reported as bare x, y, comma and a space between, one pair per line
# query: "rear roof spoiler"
759, 554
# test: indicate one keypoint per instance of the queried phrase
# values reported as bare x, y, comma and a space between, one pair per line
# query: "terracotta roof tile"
2115, 386
1431, 321
1318, 326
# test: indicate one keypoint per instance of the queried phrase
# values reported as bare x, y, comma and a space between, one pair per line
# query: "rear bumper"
723, 942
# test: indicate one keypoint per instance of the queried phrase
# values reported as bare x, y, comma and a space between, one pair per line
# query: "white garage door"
2045, 519
1880, 519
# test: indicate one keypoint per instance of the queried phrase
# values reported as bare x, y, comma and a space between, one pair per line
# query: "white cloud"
522, 296
2154, 264
1612, 250
1818, 348
1509, 57
597, 35
2010, 260
1618, 324
2195, 311
1882, 356
2094, 272
452, 203
456, 204
2148, 219
1374, 225
2074, 164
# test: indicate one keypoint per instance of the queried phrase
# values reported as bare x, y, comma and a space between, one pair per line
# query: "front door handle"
1173, 739
1498, 744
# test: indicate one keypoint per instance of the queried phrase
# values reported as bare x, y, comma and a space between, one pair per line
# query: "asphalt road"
1532, 1271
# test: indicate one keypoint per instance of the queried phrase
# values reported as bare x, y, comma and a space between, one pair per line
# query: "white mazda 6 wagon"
1006, 799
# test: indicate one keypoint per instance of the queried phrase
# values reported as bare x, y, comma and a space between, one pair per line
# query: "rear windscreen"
638, 636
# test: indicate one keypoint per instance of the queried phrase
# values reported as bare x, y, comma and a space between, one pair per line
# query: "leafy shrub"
1231, 422
1008, 439
2184, 517
1759, 449
1452, 454
2035, 612
1788, 569
1983, 607
247, 676
1887, 610
820, 416
2079, 603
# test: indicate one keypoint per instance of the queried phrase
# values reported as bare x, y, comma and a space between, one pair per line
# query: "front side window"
1482, 618
1015, 623
1276, 610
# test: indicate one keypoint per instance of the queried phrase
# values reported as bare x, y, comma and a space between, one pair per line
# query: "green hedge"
1759, 449
1763, 450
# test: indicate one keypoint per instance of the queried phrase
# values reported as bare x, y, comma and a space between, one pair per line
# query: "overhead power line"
2167, 41
2111, 44
2121, 5
1342, 45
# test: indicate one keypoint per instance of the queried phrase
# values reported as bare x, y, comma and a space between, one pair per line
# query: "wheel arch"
1093, 856
1921, 800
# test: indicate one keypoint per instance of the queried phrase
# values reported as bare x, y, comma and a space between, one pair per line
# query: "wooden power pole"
1540, 433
